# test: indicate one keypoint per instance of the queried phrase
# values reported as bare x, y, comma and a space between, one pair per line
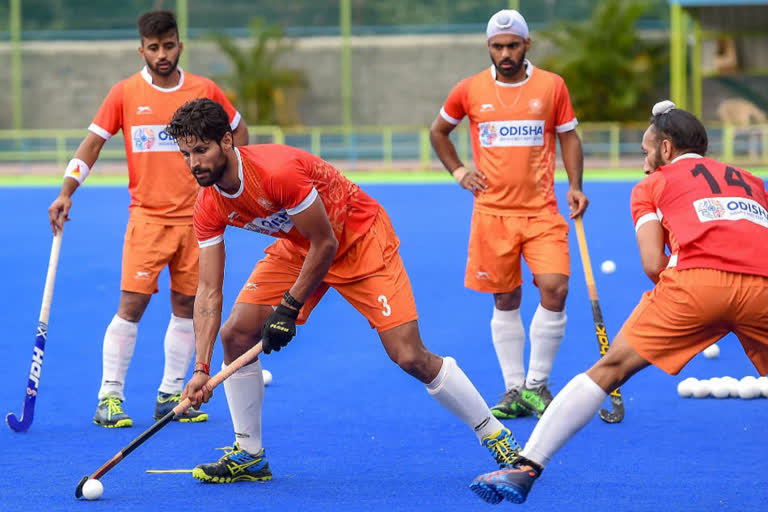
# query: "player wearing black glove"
280, 327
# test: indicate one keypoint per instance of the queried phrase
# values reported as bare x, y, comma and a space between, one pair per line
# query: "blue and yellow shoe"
167, 401
511, 484
236, 465
110, 414
503, 446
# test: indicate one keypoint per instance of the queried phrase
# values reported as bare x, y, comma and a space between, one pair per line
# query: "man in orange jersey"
330, 234
159, 231
515, 110
714, 219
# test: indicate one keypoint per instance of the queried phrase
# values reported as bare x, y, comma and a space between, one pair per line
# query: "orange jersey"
513, 128
714, 215
277, 181
162, 189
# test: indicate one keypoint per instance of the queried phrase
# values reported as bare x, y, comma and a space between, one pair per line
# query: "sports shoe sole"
511, 494
199, 474
118, 424
486, 492
504, 416
197, 419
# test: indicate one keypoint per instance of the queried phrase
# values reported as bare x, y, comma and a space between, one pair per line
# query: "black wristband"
288, 298
201, 371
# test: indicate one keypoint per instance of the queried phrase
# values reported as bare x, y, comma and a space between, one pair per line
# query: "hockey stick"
214, 381
28, 413
617, 402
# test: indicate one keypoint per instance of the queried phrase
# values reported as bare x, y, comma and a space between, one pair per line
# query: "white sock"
571, 409
508, 336
454, 391
119, 342
245, 396
547, 331
179, 350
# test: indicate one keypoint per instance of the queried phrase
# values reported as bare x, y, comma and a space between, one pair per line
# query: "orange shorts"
496, 243
688, 310
148, 248
370, 275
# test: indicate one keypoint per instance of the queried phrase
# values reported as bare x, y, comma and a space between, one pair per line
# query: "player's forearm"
316, 265
573, 159
653, 266
87, 153
90, 148
207, 320
445, 150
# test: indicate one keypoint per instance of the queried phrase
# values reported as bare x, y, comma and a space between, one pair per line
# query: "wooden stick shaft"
214, 381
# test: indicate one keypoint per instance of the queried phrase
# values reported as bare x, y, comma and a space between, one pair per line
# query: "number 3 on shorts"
387, 309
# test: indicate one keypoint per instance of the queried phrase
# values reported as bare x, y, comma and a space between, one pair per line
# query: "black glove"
279, 328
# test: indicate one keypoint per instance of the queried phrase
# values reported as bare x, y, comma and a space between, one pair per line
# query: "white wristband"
78, 170
459, 173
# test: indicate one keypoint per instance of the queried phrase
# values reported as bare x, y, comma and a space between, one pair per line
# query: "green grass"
362, 177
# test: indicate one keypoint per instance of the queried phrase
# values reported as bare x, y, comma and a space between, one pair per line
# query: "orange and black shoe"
511, 484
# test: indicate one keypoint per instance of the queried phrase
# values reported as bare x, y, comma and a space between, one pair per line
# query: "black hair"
203, 119
157, 23
683, 130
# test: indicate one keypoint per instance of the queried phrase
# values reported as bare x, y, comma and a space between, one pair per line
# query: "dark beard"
171, 68
657, 161
212, 177
511, 72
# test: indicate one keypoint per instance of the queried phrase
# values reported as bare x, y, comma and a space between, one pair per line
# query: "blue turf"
344, 428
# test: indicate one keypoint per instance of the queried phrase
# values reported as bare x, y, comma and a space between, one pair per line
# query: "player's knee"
553, 295
610, 372
413, 361
182, 305
132, 306
235, 339
508, 301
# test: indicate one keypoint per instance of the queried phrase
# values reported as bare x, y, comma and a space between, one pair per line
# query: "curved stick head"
614, 416
17, 425
79, 488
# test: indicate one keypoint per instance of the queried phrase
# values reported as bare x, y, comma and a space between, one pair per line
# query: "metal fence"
609, 145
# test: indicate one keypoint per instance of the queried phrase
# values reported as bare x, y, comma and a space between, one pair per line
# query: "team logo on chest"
535, 106
488, 134
152, 137
278, 221
143, 138
521, 133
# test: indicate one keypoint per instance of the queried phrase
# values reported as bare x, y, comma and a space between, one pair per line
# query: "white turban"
507, 21
662, 107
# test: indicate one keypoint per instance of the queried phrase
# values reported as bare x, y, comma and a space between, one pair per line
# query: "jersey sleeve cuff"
235, 121
567, 127
304, 204
672, 261
101, 132
211, 241
646, 218
447, 117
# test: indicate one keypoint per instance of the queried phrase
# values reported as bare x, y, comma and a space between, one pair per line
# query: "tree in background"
265, 92
611, 73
